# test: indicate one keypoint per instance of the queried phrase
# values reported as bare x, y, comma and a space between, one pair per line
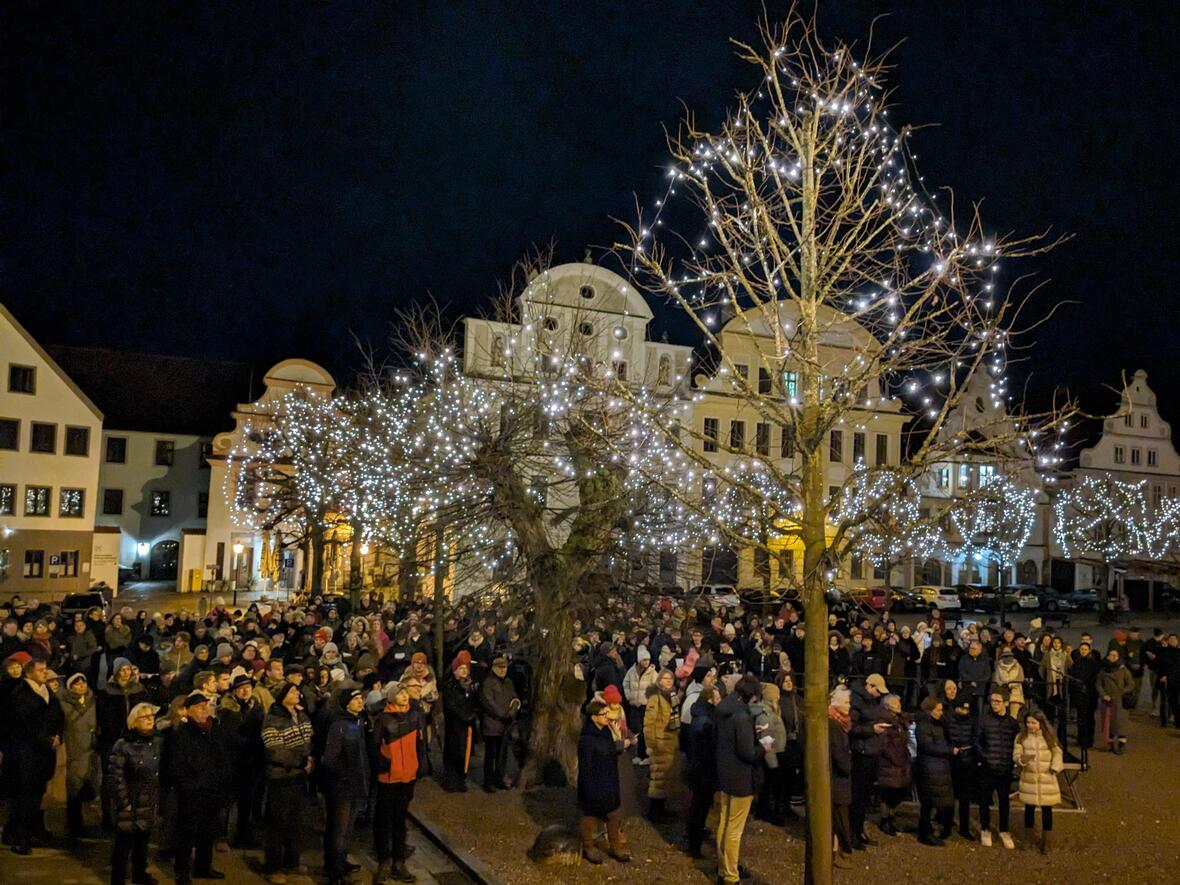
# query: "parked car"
80, 603
906, 601
873, 597
1052, 601
990, 599
1086, 600
754, 597
971, 595
938, 597
712, 596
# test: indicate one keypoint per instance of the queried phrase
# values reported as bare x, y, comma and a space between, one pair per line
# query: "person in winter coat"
197, 763
498, 705
1114, 682
994, 739
460, 710
242, 715
33, 734
1083, 695
935, 788
960, 731
840, 758
134, 773
975, 673
114, 704
772, 795
865, 738
738, 751
83, 769
640, 677
1039, 758
701, 766
894, 774
661, 724
345, 762
598, 785
839, 661
396, 736
1010, 676
286, 739
82, 650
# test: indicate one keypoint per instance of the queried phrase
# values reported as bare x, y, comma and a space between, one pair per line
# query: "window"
5, 558
112, 502
737, 435
37, 500
206, 452
22, 379
856, 566
71, 503
9, 434
497, 351
1152, 458
986, 472
1157, 496
833, 492
664, 373
116, 450
942, 477
165, 452
761, 564
762, 438
63, 564
549, 324
1143, 420
1120, 455
711, 432
1136, 456
78, 441
763, 381
7, 500
791, 385
743, 370
161, 503
836, 445
878, 573
43, 438
882, 442
858, 448
202, 505
34, 563
964, 476
587, 292
787, 444
621, 369
1127, 419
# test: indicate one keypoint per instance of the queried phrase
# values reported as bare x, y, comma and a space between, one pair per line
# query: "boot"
617, 847
1044, 842
592, 854
886, 826
382, 874
401, 874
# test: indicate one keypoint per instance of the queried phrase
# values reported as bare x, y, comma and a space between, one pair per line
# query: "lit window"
34, 563
161, 503
791, 385
964, 476
986, 472
944, 477
7, 500
37, 500
71, 503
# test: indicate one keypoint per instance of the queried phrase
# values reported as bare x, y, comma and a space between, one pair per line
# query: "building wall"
140, 478
55, 401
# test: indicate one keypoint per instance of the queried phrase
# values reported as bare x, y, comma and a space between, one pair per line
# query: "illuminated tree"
801, 219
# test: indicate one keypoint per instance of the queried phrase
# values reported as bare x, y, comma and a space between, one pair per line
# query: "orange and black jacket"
397, 747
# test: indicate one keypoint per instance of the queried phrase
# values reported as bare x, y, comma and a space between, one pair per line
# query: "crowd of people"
240, 726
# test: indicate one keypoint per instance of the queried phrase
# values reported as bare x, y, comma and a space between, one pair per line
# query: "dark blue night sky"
252, 181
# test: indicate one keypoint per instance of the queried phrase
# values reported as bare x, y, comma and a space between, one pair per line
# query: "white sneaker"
1006, 838
644, 762
985, 838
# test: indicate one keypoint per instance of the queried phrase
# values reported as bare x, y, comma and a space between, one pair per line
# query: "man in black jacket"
701, 770
737, 752
996, 738
35, 725
197, 771
868, 724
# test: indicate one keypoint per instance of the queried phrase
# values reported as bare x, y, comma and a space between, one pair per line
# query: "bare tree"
800, 222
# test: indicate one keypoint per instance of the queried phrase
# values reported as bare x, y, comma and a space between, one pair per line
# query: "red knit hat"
419, 657
463, 657
21, 657
611, 695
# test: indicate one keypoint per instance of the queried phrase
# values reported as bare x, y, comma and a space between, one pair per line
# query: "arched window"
162, 566
1028, 572
932, 572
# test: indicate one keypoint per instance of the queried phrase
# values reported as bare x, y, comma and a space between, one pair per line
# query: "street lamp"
238, 548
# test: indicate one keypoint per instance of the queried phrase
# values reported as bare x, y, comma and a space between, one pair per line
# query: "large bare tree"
800, 221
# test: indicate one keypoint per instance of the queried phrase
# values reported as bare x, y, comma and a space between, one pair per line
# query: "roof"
50, 361
586, 287
154, 393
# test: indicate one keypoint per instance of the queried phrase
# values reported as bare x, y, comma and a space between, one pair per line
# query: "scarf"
840, 718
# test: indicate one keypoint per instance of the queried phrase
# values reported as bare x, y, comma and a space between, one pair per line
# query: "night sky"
250, 181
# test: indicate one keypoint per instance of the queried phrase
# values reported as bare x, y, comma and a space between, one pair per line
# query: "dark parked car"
1086, 600
754, 597
904, 601
1052, 601
80, 603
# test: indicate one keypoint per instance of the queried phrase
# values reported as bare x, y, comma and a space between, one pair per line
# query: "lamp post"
238, 548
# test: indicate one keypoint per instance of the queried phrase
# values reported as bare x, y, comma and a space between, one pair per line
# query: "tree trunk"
1104, 614
440, 600
317, 562
557, 695
355, 577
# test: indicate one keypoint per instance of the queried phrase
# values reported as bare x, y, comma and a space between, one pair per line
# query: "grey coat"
80, 739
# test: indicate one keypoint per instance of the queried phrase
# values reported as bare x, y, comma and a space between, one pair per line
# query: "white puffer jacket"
1039, 767
635, 685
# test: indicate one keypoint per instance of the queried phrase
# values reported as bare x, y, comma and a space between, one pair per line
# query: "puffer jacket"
975, 675
895, 769
994, 740
1011, 677
934, 763
81, 738
345, 759
134, 772
114, 705
737, 747
661, 722
1039, 766
866, 712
